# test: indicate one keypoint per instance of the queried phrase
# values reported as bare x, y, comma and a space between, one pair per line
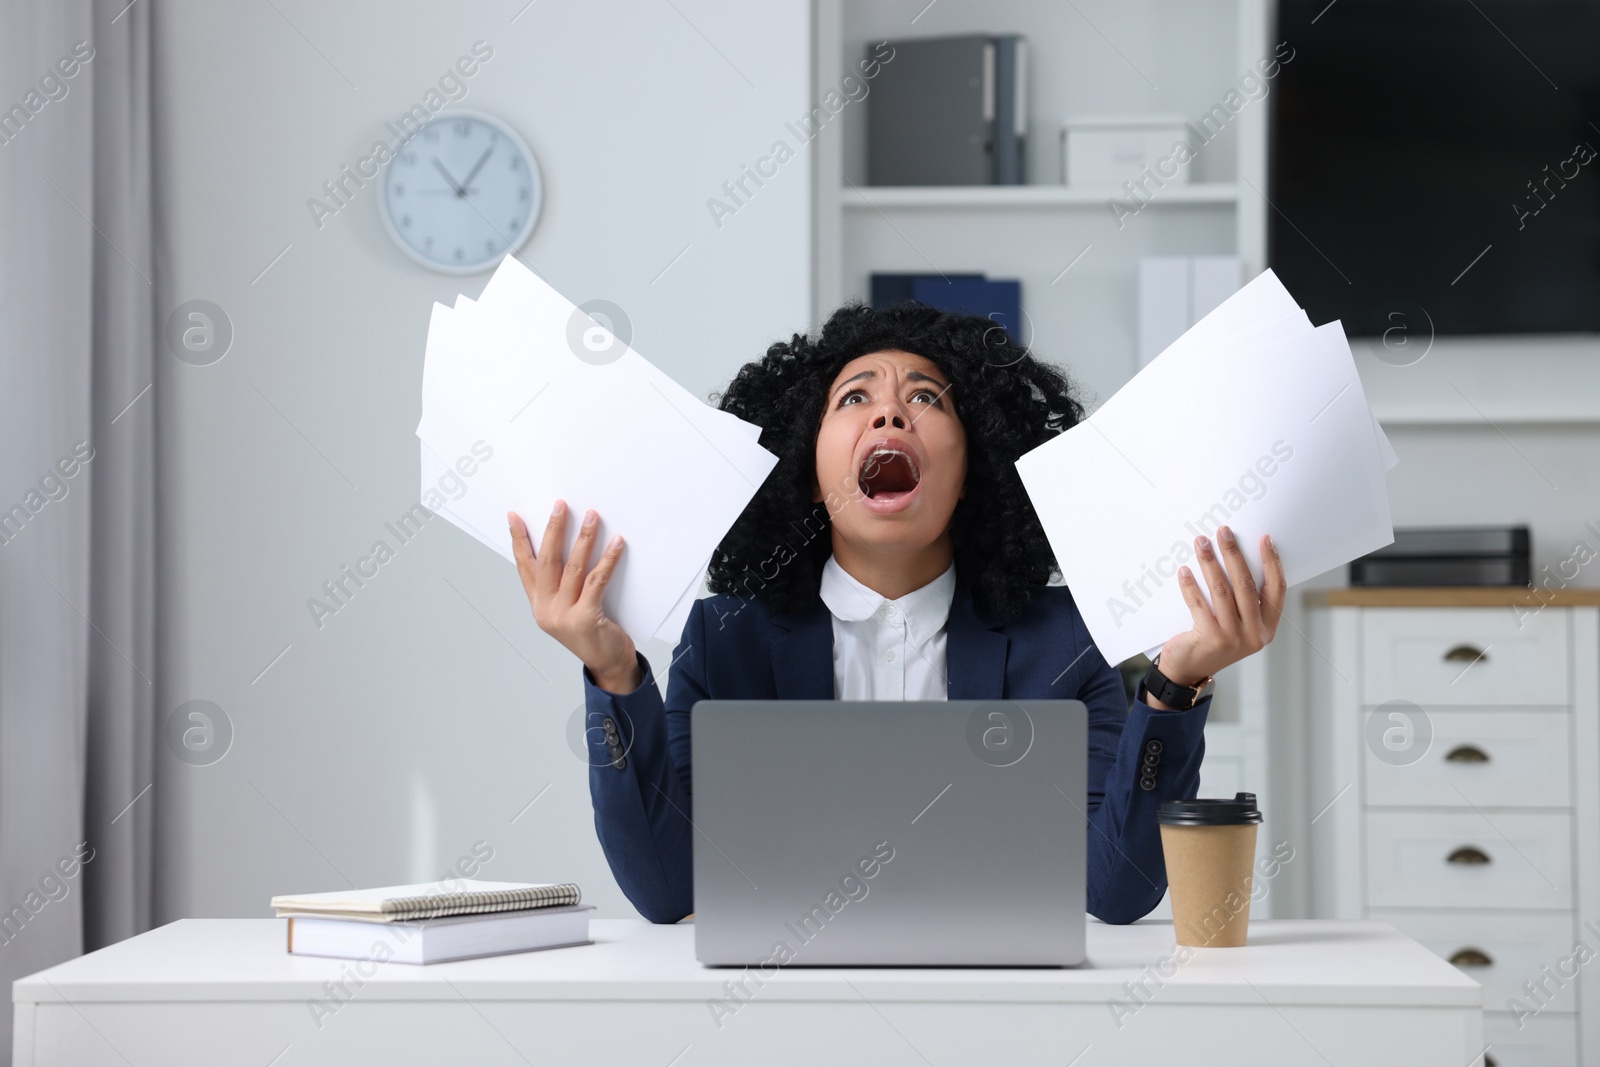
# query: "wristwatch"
1172, 694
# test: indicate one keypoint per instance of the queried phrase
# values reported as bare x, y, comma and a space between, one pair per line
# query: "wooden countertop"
1482, 596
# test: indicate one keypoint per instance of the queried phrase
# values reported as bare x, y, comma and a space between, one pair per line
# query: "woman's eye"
932, 397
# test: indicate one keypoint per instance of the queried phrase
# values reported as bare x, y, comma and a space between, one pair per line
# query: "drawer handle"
1467, 754
1471, 957
1466, 654
1468, 855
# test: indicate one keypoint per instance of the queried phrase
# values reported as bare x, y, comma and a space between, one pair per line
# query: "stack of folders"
434, 922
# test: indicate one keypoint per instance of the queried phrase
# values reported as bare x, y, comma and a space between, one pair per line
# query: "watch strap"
1173, 694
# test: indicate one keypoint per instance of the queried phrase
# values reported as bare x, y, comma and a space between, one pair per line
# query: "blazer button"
1147, 783
620, 762
1153, 745
1151, 759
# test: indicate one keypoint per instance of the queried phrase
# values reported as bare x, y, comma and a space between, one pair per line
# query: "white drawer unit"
1454, 749
1500, 952
1543, 1041
1469, 859
1440, 656
1515, 758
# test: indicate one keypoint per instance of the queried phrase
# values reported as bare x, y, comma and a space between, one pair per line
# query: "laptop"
888, 833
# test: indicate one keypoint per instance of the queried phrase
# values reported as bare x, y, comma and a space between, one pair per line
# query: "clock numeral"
461, 253
522, 194
488, 246
494, 137
430, 134
463, 128
516, 163
427, 244
514, 224
405, 220
399, 188
409, 157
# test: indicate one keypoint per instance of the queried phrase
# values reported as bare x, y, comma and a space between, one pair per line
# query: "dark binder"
933, 110
1011, 110
891, 289
998, 301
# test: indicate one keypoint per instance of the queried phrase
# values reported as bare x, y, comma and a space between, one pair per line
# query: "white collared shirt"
888, 649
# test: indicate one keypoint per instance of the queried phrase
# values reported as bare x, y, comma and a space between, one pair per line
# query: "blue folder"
998, 300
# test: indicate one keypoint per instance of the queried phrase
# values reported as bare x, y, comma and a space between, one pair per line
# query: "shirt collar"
923, 610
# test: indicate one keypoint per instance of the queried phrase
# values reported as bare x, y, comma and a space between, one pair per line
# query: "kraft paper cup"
1210, 848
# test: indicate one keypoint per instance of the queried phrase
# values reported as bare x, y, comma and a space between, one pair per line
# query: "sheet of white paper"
659, 466
1391, 458
514, 350
473, 510
671, 628
1301, 462
653, 477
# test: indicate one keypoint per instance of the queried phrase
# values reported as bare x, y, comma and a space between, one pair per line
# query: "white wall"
416, 721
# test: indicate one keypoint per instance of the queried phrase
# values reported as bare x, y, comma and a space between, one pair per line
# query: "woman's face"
891, 452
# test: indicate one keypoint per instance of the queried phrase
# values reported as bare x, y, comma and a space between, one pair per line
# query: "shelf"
1477, 596
899, 197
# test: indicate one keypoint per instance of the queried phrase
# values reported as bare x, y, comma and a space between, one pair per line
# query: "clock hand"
447, 177
476, 167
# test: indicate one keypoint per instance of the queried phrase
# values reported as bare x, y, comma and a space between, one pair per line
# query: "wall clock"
463, 192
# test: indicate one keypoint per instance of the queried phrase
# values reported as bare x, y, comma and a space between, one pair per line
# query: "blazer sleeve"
1138, 758
642, 799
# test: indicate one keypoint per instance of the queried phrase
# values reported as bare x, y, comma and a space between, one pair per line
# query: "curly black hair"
1008, 402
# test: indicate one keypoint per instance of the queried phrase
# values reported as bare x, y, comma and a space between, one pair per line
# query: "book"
453, 937
429, 900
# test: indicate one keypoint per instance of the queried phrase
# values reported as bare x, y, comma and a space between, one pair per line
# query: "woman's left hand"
1240, 619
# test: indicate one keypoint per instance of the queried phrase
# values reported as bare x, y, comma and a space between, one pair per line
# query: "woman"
892, 554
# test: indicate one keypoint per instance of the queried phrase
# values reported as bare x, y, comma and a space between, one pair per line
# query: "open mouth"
888, 473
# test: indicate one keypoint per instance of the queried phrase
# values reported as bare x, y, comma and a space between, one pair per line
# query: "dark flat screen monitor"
1436, 164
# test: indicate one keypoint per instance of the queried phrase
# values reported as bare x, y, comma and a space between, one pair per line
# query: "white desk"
223, 991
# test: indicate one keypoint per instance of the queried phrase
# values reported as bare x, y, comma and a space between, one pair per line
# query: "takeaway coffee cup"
1210, 847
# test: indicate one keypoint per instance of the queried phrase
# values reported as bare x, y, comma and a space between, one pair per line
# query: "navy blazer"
736, 648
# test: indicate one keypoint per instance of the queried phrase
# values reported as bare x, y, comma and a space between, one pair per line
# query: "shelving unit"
1077, 264
885, 197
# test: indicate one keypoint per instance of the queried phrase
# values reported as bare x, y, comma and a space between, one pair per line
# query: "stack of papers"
526, 400
1254, 419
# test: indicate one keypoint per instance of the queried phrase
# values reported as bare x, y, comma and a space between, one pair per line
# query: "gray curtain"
77, 481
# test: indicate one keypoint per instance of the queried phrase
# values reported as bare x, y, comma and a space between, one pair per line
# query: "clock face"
462, 193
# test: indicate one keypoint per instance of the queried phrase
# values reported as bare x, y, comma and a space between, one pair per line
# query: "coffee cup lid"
1238, 811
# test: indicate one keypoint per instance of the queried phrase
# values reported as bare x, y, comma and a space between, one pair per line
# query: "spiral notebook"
429, 900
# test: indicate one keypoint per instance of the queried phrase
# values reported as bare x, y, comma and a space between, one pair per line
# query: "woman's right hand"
566, 600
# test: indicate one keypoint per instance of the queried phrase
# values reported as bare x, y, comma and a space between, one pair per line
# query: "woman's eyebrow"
911, 375
858, 377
